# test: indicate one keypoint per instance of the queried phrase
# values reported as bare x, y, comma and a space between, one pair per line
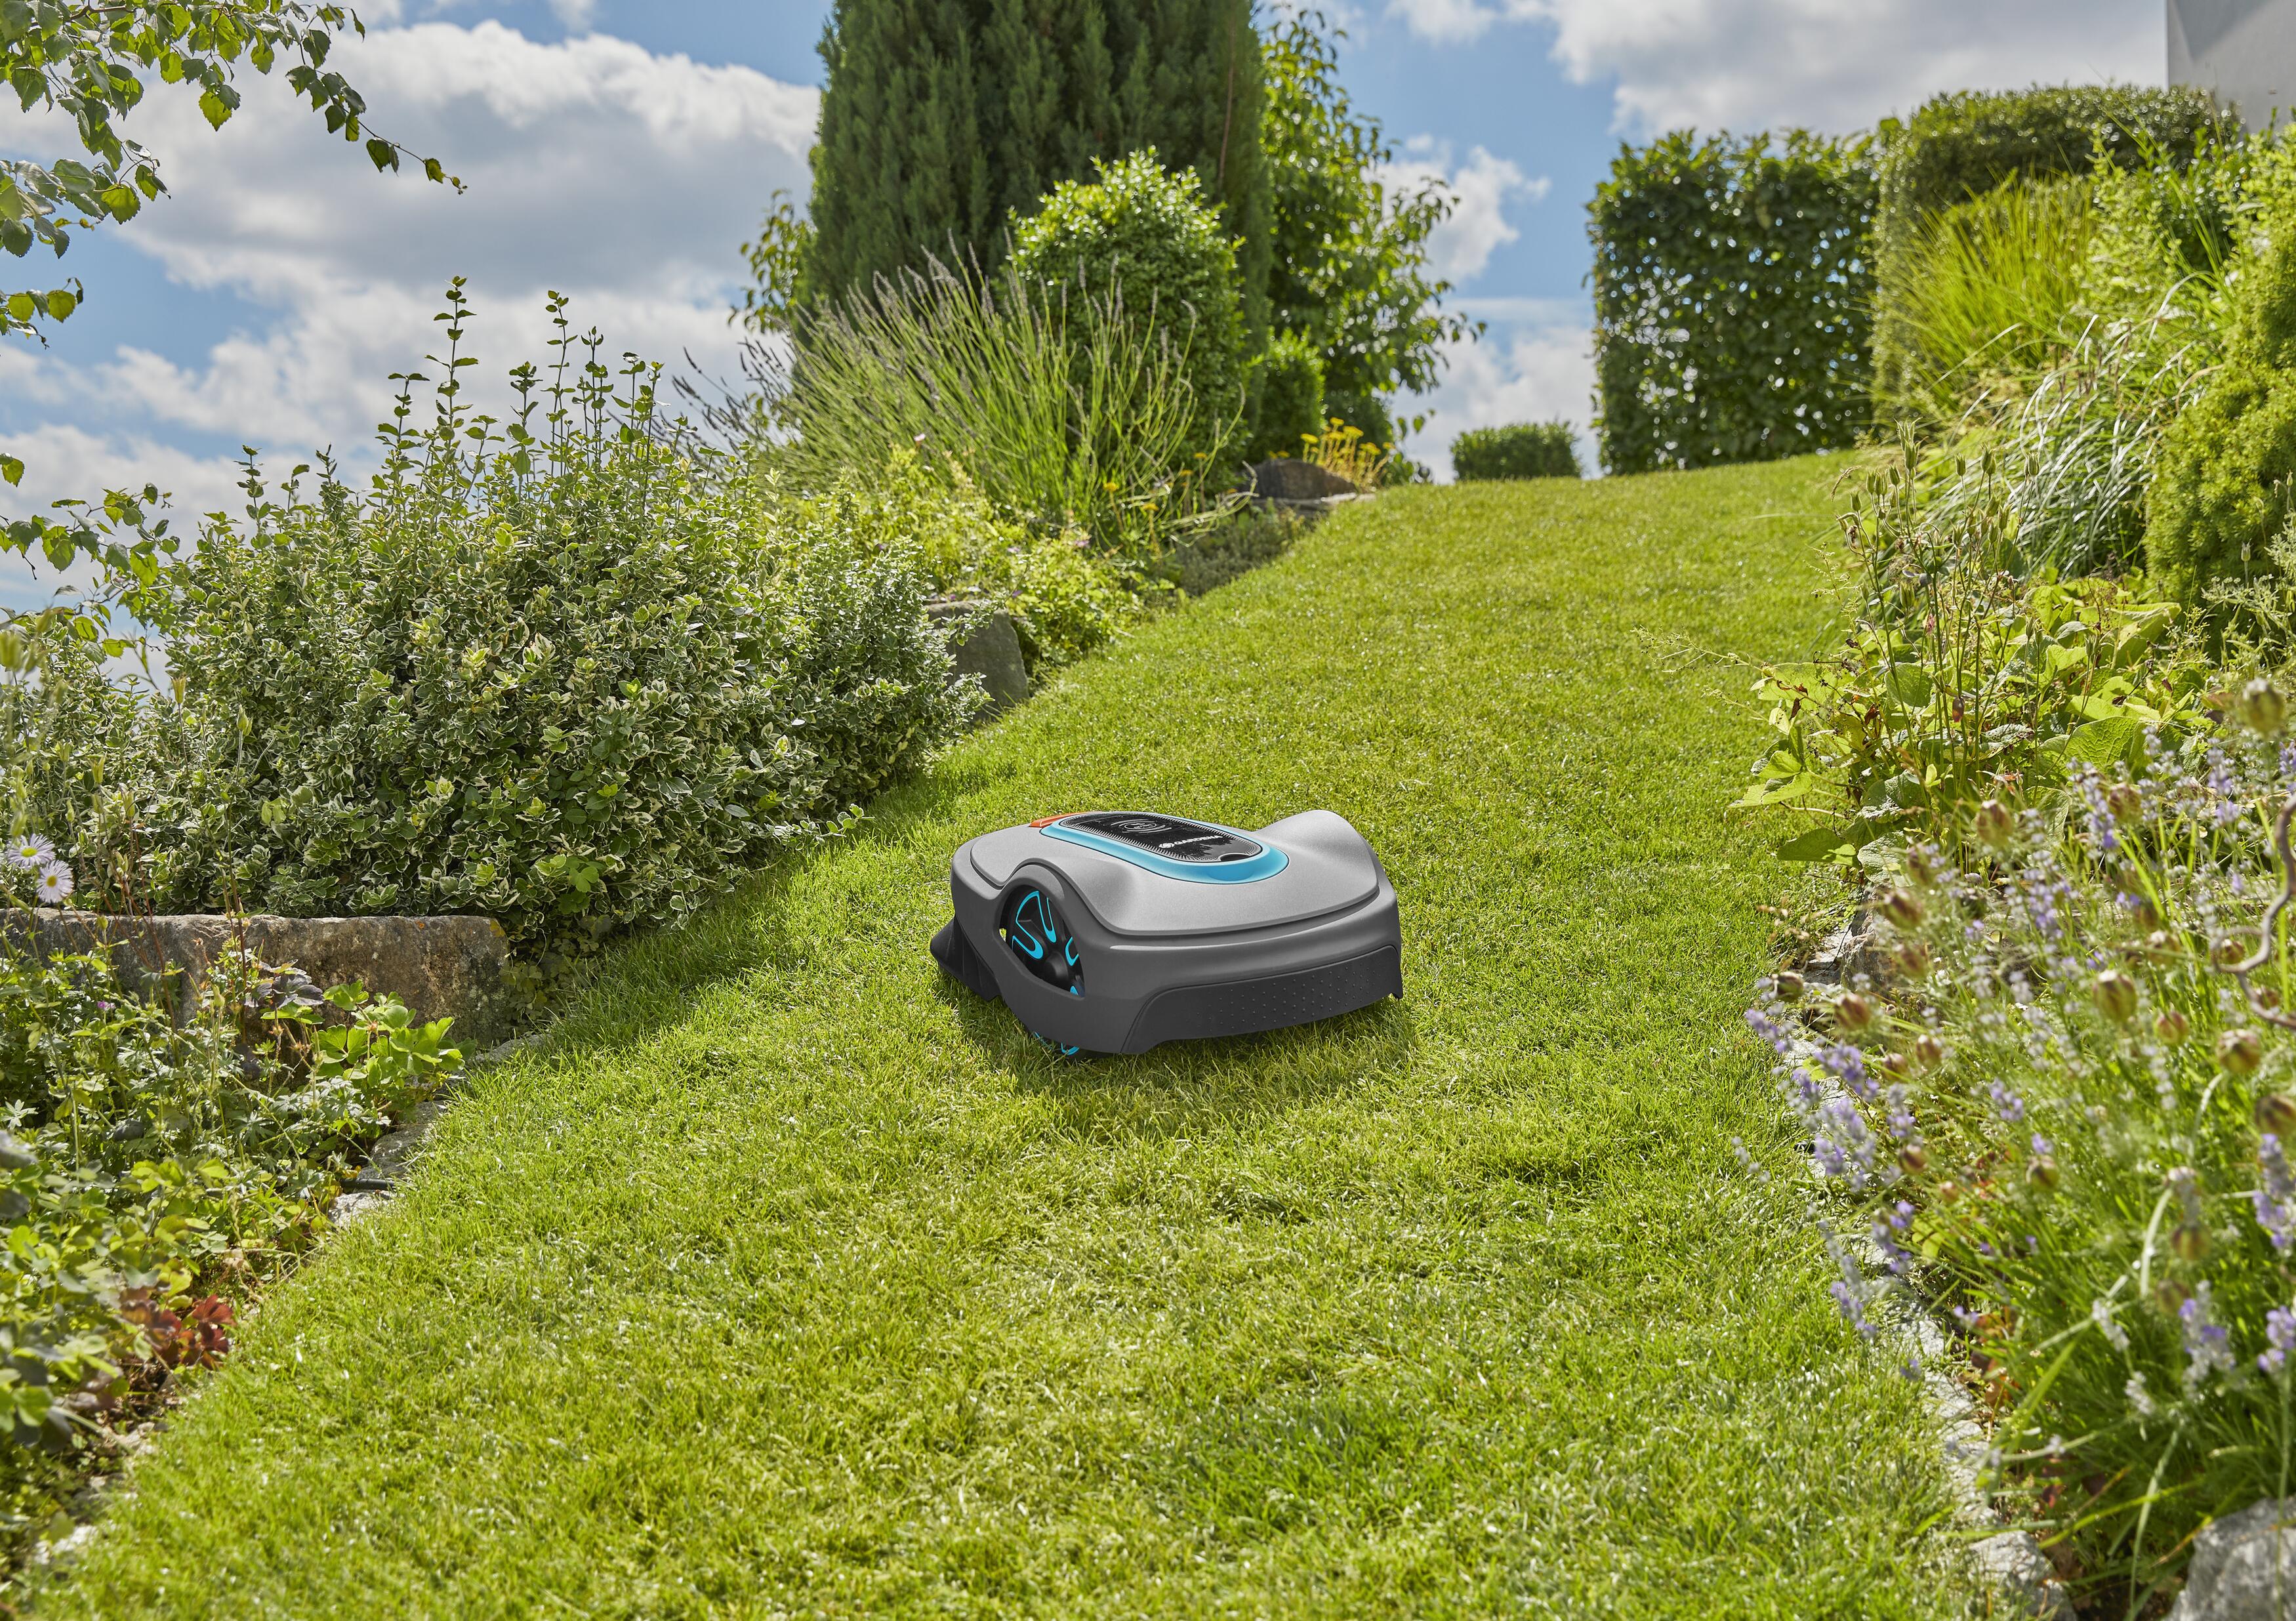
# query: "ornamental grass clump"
2063, 1121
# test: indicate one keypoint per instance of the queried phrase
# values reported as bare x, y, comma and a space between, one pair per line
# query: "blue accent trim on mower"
1268, 864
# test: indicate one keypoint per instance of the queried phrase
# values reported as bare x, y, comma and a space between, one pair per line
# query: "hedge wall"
1731, 292
1961, 145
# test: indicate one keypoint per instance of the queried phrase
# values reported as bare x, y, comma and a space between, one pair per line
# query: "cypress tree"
942, 118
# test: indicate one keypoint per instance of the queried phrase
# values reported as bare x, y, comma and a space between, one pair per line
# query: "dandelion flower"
54, 885
29, 852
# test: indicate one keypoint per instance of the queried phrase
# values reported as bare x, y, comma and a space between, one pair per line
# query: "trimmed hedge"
1731, 292
1964, 144
1520, 450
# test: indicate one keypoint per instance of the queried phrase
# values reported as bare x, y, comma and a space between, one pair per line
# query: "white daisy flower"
54, 884
28, 851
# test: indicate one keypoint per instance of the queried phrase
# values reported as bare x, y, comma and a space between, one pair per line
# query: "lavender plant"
2062, 1120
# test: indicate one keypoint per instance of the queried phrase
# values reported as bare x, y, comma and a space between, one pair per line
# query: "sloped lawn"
788, 1280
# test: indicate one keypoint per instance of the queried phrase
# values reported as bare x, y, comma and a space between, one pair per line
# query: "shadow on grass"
1183, 1083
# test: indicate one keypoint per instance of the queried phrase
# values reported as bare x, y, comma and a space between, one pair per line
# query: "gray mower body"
1112, 931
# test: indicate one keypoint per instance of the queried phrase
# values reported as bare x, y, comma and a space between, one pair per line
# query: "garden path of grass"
788, 1280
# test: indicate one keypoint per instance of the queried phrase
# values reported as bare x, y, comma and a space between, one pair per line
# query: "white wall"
2243, 50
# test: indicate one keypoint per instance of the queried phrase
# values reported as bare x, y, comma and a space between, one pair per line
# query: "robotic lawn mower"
1112, 931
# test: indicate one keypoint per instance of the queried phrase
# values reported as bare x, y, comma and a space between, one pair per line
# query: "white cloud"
1825, 64
1483, 185
626, 179
1533, 372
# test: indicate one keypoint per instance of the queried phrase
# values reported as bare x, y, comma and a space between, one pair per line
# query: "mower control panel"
1166, 836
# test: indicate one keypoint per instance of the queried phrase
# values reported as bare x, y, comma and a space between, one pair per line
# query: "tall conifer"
943, 117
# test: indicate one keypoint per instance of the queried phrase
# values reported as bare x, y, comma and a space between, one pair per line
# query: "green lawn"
789, 1279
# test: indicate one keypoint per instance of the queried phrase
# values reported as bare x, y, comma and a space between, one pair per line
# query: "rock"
1284, 478
988, 647
2244, 1568
440, 967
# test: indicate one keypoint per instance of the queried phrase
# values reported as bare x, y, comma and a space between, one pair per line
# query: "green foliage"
1291, 397
151, 1160
1965, 145
93, 64
1141, 247
1052, 409
943, 119
1731, 299
1959, 682
562, 673
779, 259
1350, 269
1520, 450
1990, 285
2226, 463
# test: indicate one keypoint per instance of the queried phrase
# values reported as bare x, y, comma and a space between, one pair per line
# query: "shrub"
568, 678
2222, 491
942, 120
1058, 412
1731, 299
1141, 247
1350, 267
1291, 397
1521, 450
1965, 145
152, 1168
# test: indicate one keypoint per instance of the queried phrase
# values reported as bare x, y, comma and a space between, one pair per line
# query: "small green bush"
2228, 464
1965, 145
1520, 450
1291, 397
1142, 244
1732, 300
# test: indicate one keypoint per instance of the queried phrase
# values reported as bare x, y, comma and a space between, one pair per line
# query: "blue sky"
622, 150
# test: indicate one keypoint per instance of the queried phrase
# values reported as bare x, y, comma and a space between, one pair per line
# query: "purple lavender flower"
2208, 1346
1894, 1255
1780, 1039
2043, 1146
2280, 1329
2224, 790
2276, 1200
1842, 1146
1901, 1117
1847, 1065
2007, 1104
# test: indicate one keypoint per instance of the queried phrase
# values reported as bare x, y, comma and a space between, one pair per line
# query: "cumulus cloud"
1483, 185
626, 179
1534, 364
1824, 65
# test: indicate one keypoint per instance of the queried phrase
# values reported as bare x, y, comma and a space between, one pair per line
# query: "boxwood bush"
1520, 450
1149, 238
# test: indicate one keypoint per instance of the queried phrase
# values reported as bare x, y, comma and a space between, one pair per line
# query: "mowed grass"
786, 1279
